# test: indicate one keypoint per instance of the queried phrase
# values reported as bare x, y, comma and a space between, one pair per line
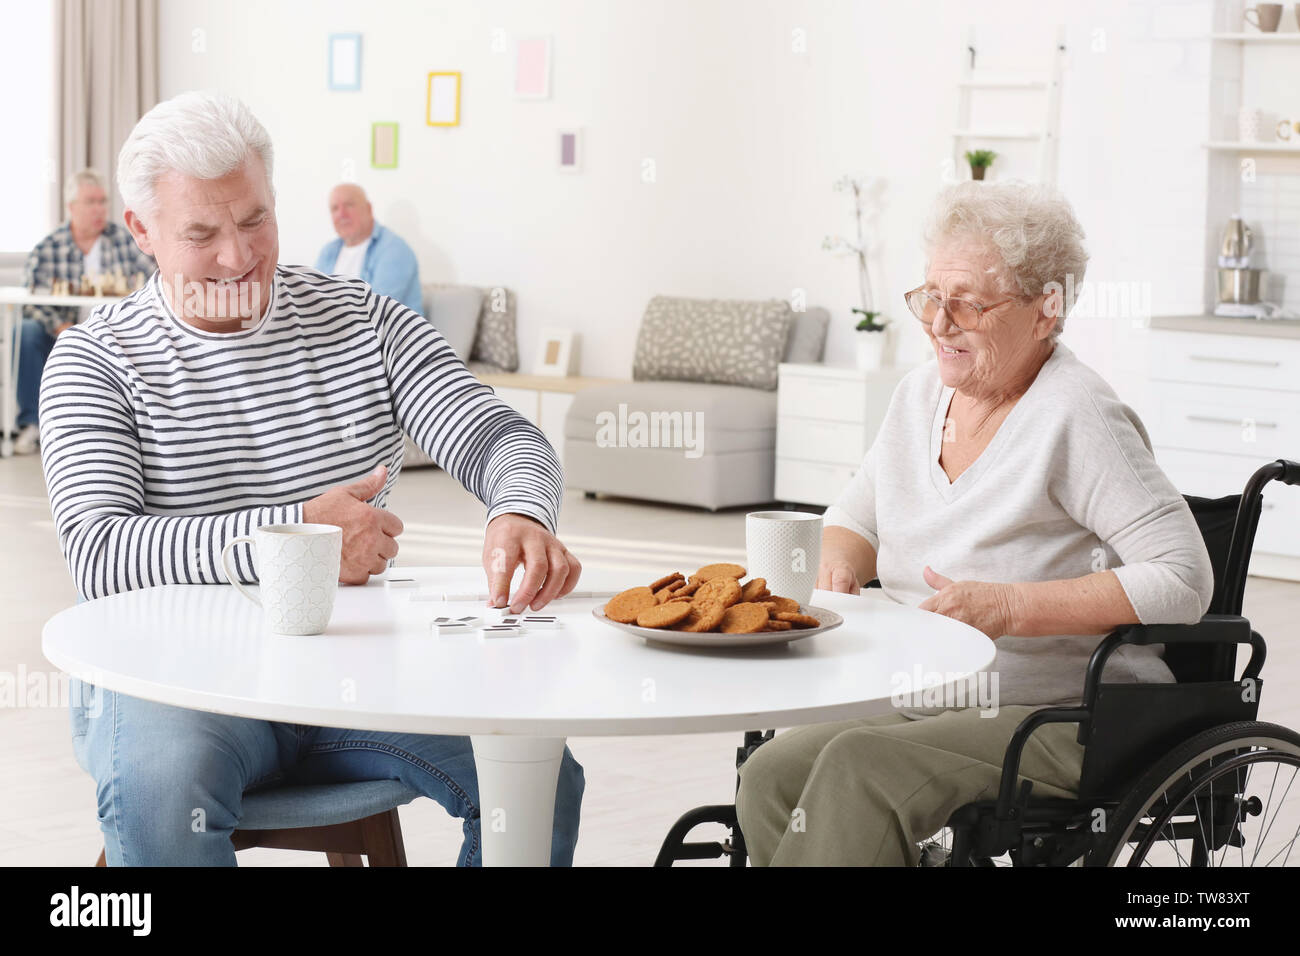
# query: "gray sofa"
633, 439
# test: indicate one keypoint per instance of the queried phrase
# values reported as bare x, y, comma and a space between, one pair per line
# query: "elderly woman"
1008, 488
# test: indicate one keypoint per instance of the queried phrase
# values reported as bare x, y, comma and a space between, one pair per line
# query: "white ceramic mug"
297, 573
784, 547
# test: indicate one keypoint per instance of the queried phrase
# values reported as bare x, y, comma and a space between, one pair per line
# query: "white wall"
27, 158
746, 134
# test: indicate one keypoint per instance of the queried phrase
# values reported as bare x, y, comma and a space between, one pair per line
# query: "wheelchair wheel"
1228, 797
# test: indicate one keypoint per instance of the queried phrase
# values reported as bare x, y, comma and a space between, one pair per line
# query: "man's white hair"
92, 176
1029, 226
201, 134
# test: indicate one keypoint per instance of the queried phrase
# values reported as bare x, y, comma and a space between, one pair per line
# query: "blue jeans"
36, 345
170, 781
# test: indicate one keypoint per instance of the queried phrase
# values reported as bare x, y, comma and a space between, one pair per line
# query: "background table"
378, 668
12, 300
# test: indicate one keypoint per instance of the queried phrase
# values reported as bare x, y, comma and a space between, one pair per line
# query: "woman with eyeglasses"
1009, 488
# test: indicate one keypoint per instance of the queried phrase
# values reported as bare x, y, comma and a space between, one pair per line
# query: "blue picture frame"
345, 72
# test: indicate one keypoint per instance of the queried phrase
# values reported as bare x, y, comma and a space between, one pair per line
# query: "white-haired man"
87, 244
233, 392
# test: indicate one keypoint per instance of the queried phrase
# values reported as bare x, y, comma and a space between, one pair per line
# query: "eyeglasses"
965, 314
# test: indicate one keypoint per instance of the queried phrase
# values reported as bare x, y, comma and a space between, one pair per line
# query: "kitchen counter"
1219, 324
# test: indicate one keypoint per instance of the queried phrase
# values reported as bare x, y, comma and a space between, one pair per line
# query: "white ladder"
1048, 136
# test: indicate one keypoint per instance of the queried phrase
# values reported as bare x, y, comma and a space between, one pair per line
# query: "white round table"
378, 667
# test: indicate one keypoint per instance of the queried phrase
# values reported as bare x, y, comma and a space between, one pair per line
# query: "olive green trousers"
866, 792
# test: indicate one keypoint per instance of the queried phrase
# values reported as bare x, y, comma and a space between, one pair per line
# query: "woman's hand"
837, 574
981, 604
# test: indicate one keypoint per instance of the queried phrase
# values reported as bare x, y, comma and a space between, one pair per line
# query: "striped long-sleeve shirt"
161, 442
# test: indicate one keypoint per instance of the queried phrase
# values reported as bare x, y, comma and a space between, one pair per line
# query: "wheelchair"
1179, 774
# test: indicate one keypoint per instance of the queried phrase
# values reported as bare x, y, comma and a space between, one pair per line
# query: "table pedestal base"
517, 777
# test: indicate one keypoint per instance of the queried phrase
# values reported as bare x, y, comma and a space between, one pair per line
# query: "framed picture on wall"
569, 150
555, 353
442, 106
345, 61
383, 145
533, 68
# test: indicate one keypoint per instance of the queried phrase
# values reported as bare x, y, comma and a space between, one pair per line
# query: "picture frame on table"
345, 61
555, 353
442, 99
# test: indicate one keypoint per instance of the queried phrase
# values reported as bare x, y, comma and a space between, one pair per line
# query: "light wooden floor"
636, 787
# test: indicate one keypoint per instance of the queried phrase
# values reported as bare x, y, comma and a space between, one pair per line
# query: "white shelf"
1257, 37
1239, 146
997, 134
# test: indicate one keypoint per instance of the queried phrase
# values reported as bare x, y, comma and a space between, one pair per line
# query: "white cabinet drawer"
1229, 421
810, 483
1213, 476
1240, 361
831, 399
522, 400
838, 443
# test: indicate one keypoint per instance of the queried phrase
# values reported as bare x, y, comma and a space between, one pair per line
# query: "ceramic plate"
829, 619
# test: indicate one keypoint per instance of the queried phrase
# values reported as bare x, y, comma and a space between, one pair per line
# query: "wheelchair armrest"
1210, 629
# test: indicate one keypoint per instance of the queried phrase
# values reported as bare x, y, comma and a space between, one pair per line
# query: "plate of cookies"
714, 607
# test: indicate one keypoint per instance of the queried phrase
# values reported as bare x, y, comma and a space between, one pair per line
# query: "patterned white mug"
297, 571
784, 547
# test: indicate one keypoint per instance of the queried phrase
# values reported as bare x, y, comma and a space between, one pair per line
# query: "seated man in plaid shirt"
87, 244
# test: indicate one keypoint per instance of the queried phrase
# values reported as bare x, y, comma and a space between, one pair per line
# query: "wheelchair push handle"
1290, 472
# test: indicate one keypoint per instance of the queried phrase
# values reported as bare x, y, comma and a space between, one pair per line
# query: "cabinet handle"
1235, 361
1228, 421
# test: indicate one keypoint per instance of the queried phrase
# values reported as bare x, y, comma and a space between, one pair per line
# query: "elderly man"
233, 392
1008, 488
367, 250
87, 244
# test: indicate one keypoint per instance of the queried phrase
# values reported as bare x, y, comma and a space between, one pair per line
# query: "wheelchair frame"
1120, 725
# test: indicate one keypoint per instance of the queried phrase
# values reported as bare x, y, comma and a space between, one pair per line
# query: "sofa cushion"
495, 340
718, 341
807, 339
702, 419
454, 311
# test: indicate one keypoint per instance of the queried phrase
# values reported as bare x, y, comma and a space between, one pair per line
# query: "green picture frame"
383, 145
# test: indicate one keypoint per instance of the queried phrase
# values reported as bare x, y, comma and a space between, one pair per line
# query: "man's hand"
983, 605
369, 533
550, 571
62, 327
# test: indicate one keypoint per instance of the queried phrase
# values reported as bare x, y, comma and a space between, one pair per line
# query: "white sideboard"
542, 399
1219, 404
827, 418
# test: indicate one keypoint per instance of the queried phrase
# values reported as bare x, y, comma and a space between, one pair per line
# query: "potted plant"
980, 160
873, 338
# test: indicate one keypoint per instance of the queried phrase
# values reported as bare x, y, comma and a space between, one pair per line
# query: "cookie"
702, 617
662, 595
710, 571
686, 590
666, 580
778, 626
626, 606
783, 604
798, 620
663, 615
744, 618
724, 591
752, 588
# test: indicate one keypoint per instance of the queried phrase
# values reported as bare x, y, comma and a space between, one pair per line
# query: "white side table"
827, 418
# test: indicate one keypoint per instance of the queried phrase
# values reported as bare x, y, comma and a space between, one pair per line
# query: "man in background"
368, 251
87, 244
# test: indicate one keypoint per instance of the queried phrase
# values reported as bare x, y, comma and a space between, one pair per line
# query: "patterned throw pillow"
723, 341
497, 341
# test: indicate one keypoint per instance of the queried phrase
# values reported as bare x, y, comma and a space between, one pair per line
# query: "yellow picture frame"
442, 109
